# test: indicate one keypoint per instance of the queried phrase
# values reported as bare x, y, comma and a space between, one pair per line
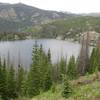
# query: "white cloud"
75, 6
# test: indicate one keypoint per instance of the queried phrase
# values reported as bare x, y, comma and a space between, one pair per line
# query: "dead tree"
83, 61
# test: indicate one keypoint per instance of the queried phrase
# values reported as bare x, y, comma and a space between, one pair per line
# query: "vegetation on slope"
67, 28
85, 88
15, 17
10, 36
59, 80
71, 28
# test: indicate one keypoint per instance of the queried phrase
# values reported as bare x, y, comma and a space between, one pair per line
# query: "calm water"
58, 48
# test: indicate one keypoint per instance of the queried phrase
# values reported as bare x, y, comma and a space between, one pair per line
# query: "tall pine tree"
34, 73
67, 88
11, 83
93, 61
4, 76
62, 67
3, 80
71, 68
47, 82
20, 79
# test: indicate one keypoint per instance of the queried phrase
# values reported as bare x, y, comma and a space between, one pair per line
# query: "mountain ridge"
20, 15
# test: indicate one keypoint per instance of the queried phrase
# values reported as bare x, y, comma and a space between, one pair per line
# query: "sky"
73, 6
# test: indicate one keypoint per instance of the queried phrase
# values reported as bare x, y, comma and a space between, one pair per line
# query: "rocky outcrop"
8, 14
19, 16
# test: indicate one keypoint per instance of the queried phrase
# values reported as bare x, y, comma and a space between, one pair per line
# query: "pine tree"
97, 59
71, 68
42, 64
49, 57
24, 85
98, 54
11, 83
47, 82
67, 88
93, 62
4, 76
20, 79
3, 81
45, 69
62, 67
34, 74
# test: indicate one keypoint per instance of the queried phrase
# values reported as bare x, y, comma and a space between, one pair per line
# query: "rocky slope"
14, 17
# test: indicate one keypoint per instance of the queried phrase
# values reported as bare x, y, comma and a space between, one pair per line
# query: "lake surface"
13, 50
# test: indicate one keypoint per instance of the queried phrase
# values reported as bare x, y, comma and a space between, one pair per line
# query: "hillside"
15, 17
84, 91
70, 28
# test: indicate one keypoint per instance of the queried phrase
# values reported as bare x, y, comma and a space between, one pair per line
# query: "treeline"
66, 28
4, 36
15, 83
43, 75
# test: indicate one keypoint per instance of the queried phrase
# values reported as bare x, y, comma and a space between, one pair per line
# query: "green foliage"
42, 75
3, 80
39, 78
45, 69
4, 76
97, 59
11, 83
4, 36
67, 88
93, 62
53, 88
90, 91
71, 68
47, 82
20, 79
34, 74
24, 85
66, 28
62, 67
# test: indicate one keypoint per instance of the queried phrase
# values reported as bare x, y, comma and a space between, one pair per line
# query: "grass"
84, 88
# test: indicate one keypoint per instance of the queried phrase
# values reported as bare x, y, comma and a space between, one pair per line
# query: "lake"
13, 50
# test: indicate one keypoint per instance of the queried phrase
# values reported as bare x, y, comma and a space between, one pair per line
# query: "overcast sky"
74, 6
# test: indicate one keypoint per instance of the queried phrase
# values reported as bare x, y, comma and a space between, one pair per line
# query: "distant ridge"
15, 17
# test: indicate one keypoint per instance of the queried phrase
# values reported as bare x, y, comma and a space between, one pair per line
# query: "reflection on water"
58, 48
